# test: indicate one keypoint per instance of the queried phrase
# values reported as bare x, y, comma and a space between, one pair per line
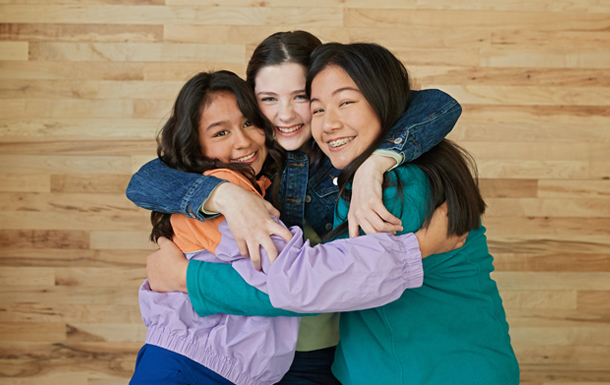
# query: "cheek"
268, 111
304, 111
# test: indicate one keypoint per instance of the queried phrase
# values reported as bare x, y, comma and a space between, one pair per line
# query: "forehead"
329, 80
220, 107
282, 77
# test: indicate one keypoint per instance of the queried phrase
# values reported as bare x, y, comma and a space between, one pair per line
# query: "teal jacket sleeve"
210, 284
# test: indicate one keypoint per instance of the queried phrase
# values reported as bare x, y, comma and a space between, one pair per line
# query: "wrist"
421, 241
216, 199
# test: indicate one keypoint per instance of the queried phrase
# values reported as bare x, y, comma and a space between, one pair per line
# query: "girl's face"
227, 135
280, 91
344, 124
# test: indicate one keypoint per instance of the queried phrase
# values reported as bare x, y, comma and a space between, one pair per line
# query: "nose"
241, 139
332, 120
286, 113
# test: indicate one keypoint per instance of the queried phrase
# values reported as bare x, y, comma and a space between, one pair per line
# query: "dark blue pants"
311, 368
156, 365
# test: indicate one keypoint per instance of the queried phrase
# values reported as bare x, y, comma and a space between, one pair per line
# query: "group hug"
315, 227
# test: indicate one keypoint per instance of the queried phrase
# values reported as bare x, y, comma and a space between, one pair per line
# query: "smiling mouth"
340, 142
245, 158
288, 130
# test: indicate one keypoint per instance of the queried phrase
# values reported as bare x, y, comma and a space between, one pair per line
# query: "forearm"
218, 288
160, 188
346, 274
431, 115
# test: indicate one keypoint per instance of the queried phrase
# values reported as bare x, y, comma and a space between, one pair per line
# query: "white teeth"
245, 158
289, 130
340, 142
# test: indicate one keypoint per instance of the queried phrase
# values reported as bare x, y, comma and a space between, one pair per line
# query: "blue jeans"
156, 365
309, 368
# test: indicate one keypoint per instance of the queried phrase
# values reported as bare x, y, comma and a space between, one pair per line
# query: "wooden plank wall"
85, 85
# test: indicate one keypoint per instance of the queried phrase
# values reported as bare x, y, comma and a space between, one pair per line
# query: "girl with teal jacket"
453, 329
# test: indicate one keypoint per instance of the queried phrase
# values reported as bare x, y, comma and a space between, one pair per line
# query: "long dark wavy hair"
281, 48
178, 141
384, 83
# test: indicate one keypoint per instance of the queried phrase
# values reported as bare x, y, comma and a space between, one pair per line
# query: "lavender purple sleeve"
343, 275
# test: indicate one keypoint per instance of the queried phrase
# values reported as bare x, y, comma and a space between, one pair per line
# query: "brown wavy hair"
178, 141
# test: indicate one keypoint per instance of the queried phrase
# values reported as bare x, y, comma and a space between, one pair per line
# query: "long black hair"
178, 141
281, 48
384, 83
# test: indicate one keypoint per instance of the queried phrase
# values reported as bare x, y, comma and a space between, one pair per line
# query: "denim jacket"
309, 194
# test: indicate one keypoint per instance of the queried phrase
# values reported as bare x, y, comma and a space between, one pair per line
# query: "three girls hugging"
320, 141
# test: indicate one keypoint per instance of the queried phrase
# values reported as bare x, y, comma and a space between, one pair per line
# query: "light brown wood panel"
144, 14
35, 332
81, 32
573, 188
66, 108
518, 76
552, 261
138, 52
13, 220
79, 313
547, 207
68, 70
184, 71
13, 50
129, 240
508, 188
44, 239
513, 57
521, 299
72, 257
87, 84
35, 164
16, 130
116, 184
104, 89
25, 183
529, 95
31, 276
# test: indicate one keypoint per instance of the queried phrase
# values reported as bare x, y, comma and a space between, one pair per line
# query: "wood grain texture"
85, 86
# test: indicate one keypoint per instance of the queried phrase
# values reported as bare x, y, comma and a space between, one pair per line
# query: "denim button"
336, 181
398, 141
329, 226
307, 198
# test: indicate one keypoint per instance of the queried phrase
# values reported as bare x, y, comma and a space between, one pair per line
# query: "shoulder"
234, 177
407, 196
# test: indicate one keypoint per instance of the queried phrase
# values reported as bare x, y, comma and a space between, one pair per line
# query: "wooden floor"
85, 85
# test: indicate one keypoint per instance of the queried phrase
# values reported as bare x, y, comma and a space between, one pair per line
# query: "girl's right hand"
434, 238
248, 218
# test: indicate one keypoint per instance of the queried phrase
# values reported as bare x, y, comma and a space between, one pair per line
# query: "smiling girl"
308, 190
216, 129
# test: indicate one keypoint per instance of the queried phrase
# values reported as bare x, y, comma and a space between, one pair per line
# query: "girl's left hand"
366, 208
166, 268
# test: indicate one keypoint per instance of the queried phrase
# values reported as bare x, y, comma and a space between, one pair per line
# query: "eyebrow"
274, 94
337, 91
216, 124
223, 123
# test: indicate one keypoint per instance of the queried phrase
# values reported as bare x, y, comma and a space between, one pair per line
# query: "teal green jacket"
452, 330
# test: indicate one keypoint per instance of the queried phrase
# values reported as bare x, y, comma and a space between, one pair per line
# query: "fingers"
271, 210
385, 215
243, 247
270, 249
353, 227
255, 256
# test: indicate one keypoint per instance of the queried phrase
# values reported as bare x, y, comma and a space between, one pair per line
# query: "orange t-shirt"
193, 235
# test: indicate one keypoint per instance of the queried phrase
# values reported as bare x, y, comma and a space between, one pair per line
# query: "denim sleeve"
218, 288
158, 187
430, 117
